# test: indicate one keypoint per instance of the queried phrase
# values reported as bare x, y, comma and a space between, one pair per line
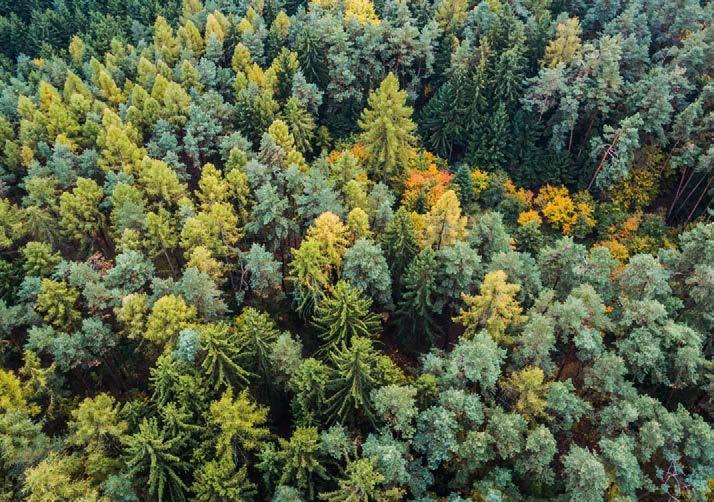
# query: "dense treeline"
356, 251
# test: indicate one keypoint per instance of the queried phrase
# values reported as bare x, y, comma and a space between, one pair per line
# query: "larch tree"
387, 129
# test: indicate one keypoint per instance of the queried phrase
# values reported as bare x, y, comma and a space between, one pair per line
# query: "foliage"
356, 250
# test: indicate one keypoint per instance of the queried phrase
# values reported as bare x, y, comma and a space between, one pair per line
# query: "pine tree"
300, 458
365, 268
256, 333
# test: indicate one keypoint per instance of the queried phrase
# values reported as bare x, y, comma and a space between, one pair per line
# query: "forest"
356, 250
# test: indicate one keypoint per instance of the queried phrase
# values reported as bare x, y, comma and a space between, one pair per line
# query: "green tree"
256, 333
344, 315
417, 305
264, 270
387, 129
152, 457
300, 458
585, 476
353, 376
362, 484
241, 424
221, 358
365, 268
400, 244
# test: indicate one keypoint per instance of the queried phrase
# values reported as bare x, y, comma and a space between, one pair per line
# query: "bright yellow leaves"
360, 10
331, 235
566, 45
523, 196
528, 217
495, 308
561, 211
444, 224
529, 389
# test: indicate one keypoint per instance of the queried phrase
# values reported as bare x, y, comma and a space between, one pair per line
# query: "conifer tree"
343, 315
352, 378
387, 129
417, 306
151, 455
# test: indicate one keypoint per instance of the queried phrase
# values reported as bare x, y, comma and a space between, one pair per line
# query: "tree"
585, 476
475, 360
444, 224
619, 455
256, 333
131, 271
169, 315
436, 435
309, 387
494, 308
458, 266
353, 376
539, 452
488, 235
365, 268
417, 305
400, 244
96, 426
218, 480
387, 129
79, 210
57, 302
361, 485
241, 424
529, 389
566, 44
53, 478
201, 292
345, 314
300, 458
264, 270
151, 456
39, 259
396, 406
221, 357
310, 274
615, 151
358, 221
331, 235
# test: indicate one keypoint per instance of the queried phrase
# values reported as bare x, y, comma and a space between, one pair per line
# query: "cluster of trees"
356, 251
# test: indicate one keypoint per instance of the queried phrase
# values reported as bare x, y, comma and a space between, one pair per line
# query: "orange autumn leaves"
423, 187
